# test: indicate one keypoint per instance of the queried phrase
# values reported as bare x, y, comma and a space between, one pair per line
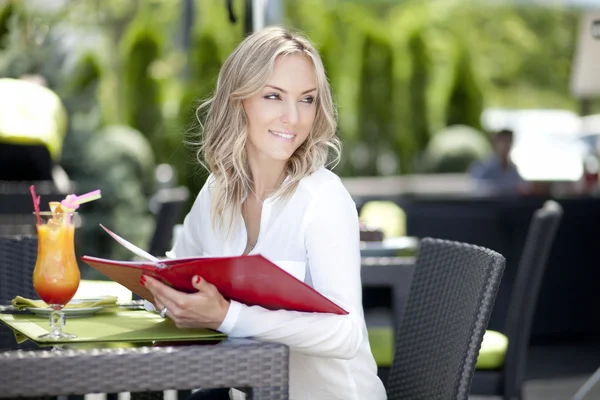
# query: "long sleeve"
331, 236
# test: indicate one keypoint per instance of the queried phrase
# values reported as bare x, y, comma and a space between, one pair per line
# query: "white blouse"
314, 236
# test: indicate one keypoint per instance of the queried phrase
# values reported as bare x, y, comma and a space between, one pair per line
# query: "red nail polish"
143, 280
198, 279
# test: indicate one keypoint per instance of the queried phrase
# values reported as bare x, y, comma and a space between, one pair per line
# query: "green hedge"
140, 48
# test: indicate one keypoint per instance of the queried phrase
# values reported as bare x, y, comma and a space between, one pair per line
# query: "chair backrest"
169, 204
448, 308
17, 261
538, 245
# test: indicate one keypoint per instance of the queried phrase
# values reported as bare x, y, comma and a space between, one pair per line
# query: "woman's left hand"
206, 308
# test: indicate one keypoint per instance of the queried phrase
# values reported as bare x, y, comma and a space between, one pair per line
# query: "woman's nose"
290, 114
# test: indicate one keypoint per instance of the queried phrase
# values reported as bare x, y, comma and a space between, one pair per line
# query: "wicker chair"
450, 302
169, 205
17, 261
507, 378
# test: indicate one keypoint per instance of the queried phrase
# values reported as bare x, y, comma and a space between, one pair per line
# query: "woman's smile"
285, 135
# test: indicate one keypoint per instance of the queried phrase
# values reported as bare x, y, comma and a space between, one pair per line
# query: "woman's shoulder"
319, 179
202, 199
327, 198
325, 185
207, 186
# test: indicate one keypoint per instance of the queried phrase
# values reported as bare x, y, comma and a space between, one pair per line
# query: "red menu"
252, 280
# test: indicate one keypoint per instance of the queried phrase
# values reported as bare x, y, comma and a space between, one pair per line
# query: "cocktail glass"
56, 275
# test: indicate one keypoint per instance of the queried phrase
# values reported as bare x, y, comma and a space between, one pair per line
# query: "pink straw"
72, 201
36, 204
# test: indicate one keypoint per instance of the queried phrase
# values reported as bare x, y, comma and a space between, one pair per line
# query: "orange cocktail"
56, 274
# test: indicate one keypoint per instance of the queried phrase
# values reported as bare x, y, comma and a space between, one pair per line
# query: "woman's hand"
206, 308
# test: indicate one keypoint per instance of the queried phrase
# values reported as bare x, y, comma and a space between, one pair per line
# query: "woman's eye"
309, 100
272, 96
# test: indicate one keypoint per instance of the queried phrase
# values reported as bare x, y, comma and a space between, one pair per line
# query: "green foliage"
550, 62
6, 13
379, 81
450, 60
212, 17
523, 52
400, 71
141, 47
376, 115
86, 74
205, 65
24, 46
212, 41
454, 150
325, 24
204, 69
116, 159
80, 97
120, 162
418, 84
465, 103
80, 91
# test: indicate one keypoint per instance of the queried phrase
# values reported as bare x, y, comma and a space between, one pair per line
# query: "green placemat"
120, 326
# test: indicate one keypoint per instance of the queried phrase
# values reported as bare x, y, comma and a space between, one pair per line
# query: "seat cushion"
381, 339
491, 355
493, 351
384, 215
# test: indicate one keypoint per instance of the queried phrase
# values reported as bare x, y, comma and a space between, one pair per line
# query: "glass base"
57, 336
57, 322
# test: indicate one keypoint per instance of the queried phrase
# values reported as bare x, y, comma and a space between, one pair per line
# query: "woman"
266, 139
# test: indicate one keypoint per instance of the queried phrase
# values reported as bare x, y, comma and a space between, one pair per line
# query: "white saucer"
87, 299
69, 312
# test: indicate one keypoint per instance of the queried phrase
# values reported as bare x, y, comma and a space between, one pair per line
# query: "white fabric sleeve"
333, 251
188, 243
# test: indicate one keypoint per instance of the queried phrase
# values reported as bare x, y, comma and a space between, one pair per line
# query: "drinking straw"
69, 202
73, 201
69, 208
36, 204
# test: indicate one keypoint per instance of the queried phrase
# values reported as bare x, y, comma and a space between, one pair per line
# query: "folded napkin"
22, 303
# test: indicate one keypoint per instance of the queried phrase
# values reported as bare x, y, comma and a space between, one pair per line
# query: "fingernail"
198, 279
143, 280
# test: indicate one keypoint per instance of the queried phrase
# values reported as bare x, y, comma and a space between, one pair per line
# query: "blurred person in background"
33, 123
498, 175
268, 133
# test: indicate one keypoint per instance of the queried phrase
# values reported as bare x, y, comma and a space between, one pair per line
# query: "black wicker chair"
169, 205
450, 301
507, 381
17, 261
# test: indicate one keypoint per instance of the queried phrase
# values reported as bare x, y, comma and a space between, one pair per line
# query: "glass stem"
57, 321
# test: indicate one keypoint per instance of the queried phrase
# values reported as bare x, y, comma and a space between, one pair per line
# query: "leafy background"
402, 73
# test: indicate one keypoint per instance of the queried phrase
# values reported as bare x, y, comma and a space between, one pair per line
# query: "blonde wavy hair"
224, 130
